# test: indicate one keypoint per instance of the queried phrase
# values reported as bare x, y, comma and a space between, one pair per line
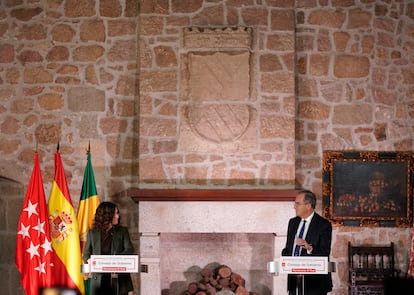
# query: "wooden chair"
369, 267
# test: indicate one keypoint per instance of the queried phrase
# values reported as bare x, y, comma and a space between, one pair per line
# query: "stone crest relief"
216, 89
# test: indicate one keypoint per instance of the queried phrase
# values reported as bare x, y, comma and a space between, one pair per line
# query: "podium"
301, 266
114, 265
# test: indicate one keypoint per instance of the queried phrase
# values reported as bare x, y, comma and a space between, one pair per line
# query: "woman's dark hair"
104, 215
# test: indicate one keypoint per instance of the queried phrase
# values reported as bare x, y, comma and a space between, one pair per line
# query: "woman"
107, 237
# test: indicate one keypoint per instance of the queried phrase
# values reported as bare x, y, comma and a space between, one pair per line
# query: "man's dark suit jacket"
121, 245
319, 235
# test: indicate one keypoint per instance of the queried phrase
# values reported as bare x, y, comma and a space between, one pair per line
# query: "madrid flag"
64, 231
34, 253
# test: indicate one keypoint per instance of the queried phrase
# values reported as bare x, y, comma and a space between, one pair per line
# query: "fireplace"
179, 228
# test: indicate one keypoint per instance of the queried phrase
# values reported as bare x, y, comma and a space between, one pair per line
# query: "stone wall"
318, 75
226, 114
68, 75
355, 80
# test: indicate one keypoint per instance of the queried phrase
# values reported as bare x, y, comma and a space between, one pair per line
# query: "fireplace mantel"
243, 213
212, 195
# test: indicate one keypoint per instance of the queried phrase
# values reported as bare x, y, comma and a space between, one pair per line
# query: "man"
315, 241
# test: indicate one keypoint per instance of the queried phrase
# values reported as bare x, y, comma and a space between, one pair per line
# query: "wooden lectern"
301, 266
113, 264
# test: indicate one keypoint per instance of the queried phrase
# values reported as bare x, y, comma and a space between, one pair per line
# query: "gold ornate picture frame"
368, 188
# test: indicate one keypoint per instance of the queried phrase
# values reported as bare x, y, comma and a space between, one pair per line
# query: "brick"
384, 96
49, 133
105, 77
63, 33
110, 8
324, 41
9, 125
88, 126
13, 75
88, 53
123, 51
145, 55
37, 74
212, 16
349, 66
282, 20
237, 176
341, 40
151, 25
408, 76
132, 8
58, 53
86, 99
276, 127
33, 90
165, 56
75, 8
154, 7
112, 125
359, 19
313, 110
126, 86
68, 70
195, 175
6, 53
121, 27
278, 83
319, 64
158, 127
281, 173
168, 109
281, 42
26, 14
178, 6
270, 63
68, 80
126, 108
129, 150
328, 18
158, 81
256, 16
29, 56
308, 88
92, 31
90, 75
51, 101
161, 147
355, 114
367, 44
32, 32
151, 170
3, 29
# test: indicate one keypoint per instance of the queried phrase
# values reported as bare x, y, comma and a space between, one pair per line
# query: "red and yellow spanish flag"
64, 232
89, 201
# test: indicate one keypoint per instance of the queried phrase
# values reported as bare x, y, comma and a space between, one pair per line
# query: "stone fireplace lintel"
212, 195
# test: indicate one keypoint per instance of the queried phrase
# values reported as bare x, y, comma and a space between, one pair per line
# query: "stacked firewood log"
220, 280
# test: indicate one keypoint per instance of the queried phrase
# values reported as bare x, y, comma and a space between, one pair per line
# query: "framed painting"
368, 188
